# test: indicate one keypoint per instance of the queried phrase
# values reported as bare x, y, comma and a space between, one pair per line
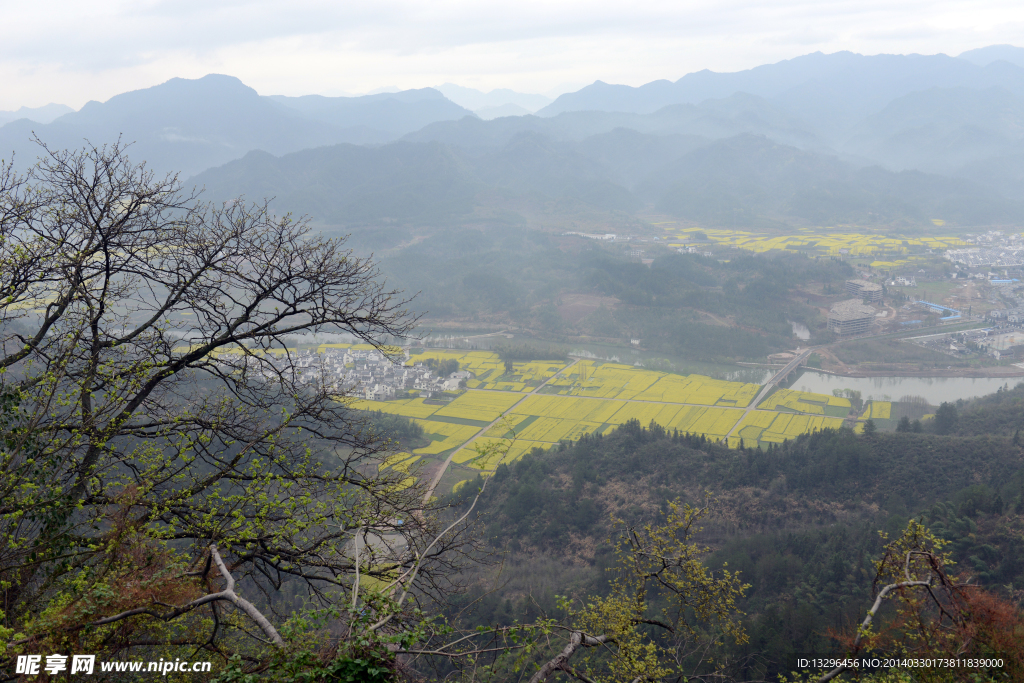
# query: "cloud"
72, 51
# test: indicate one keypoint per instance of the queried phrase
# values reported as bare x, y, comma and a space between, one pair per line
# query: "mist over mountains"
742, 181
190, 125
44, 114
840, 138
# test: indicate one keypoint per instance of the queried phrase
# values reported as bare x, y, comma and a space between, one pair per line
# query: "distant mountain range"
477, 100
840, 138
741, 181
983, 56
43, 114
832, 93
189, 125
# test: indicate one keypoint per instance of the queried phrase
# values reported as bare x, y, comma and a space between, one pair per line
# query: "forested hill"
745, 180
800, 521
999, 413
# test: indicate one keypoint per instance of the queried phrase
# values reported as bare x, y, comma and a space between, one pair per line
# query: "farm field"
881, 413
595, 379
487, 368
877, 410
806, 402
762, 427
595, 397
812, 241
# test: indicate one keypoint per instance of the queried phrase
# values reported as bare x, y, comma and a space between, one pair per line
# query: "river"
935, 389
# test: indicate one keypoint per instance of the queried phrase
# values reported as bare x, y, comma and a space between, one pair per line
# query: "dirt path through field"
444, 466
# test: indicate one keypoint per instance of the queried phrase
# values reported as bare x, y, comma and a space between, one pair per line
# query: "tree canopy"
157, 439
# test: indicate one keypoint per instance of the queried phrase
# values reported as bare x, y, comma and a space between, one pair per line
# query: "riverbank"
935, 389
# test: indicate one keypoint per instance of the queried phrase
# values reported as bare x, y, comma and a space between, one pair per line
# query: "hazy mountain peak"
477, 100
983, 56
488, 113
43, 114
190, 124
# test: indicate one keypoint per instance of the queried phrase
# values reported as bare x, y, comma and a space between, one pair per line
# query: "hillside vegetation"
799, 521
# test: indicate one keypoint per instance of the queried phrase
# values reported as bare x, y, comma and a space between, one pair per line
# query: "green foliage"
443, 367
521, 353
998, 413
305, 667
946, 419
129, 455
754, 290
889, 351
804, 518
402, 429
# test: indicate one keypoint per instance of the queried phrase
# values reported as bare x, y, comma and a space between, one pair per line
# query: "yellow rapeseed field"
831, 243
802, 401
569, 408
594, 397
877, 410
482, 406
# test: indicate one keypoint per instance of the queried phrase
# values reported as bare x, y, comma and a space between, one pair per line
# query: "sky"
72, 52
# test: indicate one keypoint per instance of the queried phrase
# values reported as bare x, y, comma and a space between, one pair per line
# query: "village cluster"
994, 250
363, 373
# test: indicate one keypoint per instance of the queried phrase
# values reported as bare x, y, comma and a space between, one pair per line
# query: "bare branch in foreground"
227, 594
577, 640
909, 583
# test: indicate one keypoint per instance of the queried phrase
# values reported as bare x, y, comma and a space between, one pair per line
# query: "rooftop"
851, 309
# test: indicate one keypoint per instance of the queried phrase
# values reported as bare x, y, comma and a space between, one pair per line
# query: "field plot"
700, 390
786, 426
482, 364
807, 240
646, 412
714, 422
806, 402
489, 370
755, 424
398, 461
625, 382
551, 430
478, 406
580, 409
469, 456
877, 410
444, 436
604, 380
595, 397
538, 371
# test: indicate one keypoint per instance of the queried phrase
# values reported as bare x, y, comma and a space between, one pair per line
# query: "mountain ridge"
188, 125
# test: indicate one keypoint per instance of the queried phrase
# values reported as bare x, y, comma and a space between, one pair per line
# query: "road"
448, 460
789, 367
776, 378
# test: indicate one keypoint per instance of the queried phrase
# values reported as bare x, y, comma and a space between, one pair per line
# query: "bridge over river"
778, 377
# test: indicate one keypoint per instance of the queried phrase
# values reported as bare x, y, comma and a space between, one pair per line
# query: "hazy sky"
72, 52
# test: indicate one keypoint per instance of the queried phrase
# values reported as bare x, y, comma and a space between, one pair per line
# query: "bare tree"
932, 615
664, 618
149, 409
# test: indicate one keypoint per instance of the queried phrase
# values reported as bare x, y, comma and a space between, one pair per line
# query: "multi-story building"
850, 317
866, 291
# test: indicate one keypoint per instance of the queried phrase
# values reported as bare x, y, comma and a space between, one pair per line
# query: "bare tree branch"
560, 662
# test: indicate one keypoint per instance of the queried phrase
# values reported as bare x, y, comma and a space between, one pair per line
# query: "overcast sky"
72, 52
